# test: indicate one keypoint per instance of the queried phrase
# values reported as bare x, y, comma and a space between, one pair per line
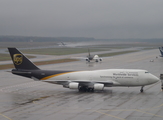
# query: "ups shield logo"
18, 59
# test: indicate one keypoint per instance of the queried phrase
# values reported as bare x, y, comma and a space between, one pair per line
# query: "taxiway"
25, 99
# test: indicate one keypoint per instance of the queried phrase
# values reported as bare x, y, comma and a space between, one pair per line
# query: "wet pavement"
25, 99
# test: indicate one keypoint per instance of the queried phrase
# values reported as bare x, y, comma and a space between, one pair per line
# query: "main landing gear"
141, 90
161, 78
85, 89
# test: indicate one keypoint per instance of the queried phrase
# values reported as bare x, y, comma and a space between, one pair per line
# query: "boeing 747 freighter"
82, 80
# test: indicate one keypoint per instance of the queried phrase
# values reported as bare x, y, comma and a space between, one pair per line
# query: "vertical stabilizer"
89, 55
161, 51
20, 61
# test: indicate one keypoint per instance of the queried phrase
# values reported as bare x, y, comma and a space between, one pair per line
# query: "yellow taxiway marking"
132, 110
5, 116
110, 115
149, 113
119, 110
158, 106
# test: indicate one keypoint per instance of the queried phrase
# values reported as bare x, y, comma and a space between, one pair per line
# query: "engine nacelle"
73, 85
87, 60
98, 86
96, 57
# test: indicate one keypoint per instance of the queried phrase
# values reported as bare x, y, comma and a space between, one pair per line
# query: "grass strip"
55, 61
2, 67
8, 66
60, 51
4, 57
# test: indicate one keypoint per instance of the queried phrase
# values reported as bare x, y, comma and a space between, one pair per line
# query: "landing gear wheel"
91, 90
141, 90
85, 89
80, 89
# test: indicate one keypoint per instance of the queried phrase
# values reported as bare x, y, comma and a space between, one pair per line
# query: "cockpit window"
146, 72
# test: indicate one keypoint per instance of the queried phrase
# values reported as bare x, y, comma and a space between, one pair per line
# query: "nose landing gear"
141, 90
161, 77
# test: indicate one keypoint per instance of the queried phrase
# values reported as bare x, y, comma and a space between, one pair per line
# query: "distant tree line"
70, 39
154, 40
42, 39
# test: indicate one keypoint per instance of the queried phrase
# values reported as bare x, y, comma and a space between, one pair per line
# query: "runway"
25, 99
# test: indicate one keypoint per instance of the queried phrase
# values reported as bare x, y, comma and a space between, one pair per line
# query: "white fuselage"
119, 77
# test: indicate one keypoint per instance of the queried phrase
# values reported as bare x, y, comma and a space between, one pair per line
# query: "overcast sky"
104, 19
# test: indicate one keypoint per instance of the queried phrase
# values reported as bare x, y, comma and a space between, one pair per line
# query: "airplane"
63, 44
84, 81
161, 51
90, 57
95, 57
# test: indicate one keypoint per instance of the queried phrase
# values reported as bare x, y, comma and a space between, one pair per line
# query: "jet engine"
73, 85
87, 60
98, 86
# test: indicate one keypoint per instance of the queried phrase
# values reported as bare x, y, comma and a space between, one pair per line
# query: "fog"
101, 19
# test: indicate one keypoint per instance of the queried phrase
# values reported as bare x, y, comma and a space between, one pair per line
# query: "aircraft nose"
154, 79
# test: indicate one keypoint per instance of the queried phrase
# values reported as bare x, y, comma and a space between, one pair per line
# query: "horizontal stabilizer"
20, 72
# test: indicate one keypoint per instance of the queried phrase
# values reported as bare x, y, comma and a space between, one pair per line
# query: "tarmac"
24, 99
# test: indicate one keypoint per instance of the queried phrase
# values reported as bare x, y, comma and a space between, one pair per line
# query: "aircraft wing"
81, 58
81, 82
